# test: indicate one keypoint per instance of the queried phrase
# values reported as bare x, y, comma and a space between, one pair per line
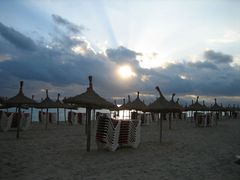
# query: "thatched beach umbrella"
90, 100
137, 104
67, 106
59, 105
179, 106
218, 109
161, 105
122, 107
19, 101
125, 105
32, 110
175, 108
196, 106
205, 108
47, 103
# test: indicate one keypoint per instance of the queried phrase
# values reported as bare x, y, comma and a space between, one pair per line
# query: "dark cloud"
122, 55
58, 66
217, 57
16, 38
70, 26
203, 65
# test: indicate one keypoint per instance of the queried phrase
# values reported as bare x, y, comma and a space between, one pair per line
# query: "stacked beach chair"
112, 134
9, 121
25, 121
5, 120
52, 117
146, 119
130, 133
107, 134
76, 118
204, 120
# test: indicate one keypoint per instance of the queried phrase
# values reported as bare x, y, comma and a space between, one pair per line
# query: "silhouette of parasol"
19, 101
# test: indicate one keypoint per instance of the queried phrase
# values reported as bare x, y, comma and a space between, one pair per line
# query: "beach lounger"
42, 117
6, 121
72, 118
52, 117
25, 121
107, 134
130, 133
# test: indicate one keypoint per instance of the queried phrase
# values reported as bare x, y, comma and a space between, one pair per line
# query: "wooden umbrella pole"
170, 121
57, 116
94, 117
41, 117
89, 129
32, 111
18, 122
86, 123
46, 119
65, 116
161, 118
31, 115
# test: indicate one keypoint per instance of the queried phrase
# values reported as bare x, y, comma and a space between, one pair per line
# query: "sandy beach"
60, 153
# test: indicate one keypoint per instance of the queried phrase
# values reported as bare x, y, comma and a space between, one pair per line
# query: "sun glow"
125, 72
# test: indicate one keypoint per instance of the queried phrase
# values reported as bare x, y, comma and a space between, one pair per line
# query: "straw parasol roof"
48, 103
20, 99
58, 102
161, 104
175, 107
115, 107
179, 106
196, 106
90, 99
122, 107
216, 107
137, 104
205, 108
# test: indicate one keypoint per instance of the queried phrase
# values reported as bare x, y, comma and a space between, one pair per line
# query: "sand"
60, 153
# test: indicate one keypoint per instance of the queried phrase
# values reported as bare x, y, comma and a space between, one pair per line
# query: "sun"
125, 72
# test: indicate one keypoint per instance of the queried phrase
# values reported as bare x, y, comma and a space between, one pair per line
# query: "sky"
187, 47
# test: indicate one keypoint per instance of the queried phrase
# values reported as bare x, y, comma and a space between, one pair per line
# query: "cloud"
217, 57
56, 65
70, 26
5, 57
16, 38
122, 55
203, 65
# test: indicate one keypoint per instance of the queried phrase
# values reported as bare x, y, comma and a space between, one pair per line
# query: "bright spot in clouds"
125, 72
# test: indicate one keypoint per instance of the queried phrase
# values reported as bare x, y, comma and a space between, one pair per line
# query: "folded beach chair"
208, 120
6, 121
107, 133
15, 120
156, 117
149, 118
25, 121
200, 120
42, 117
79, 118
72, 118
52, 117
130, 133
134, 133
